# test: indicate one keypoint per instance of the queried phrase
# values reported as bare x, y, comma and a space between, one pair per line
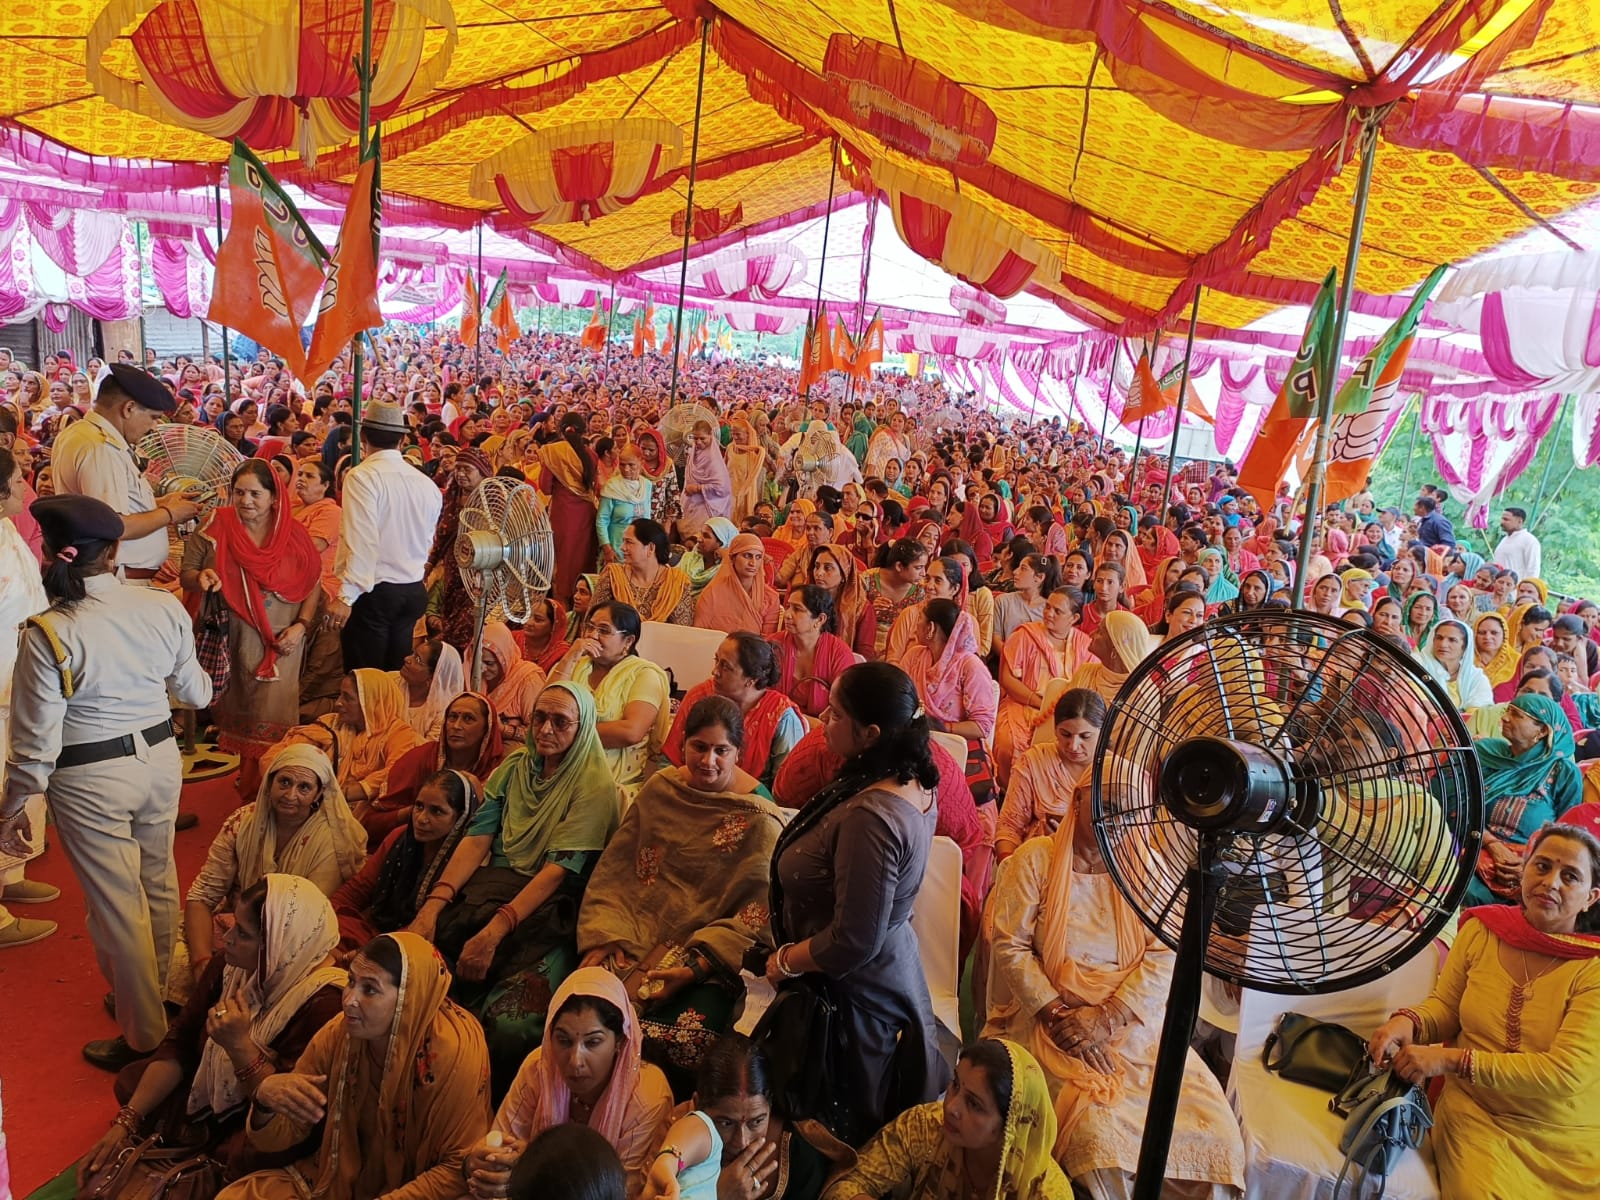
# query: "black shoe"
112, 1054
186, 820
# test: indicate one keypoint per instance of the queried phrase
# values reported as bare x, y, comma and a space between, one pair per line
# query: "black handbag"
211, 641
803, 1036
1312, 1052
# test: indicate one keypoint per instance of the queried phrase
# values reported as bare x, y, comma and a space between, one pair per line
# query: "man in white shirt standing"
1519, 550
390, 516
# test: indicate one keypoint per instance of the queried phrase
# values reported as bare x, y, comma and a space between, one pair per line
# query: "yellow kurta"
1206, 1145
1530, 1126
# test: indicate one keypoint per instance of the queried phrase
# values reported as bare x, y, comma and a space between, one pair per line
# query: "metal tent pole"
611, 316
688, 208
357, 357
1334, 357
477, 331
1411, 452
227, 353
1138, 434
822, 263
1555, 444
138, 240
1183, 395
1111, 378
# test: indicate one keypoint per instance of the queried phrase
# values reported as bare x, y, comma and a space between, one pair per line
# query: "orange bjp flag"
269, 267
350, 295
469, 312
1145, 397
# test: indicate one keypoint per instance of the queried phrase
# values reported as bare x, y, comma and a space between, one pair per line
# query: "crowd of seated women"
454, 923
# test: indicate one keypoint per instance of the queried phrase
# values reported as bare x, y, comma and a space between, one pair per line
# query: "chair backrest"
685, 652
936, 917
954, 743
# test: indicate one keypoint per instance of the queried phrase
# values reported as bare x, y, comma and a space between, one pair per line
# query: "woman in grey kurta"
845, 874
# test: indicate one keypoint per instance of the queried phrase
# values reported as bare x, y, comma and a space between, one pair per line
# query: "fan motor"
1216, 783
488, 549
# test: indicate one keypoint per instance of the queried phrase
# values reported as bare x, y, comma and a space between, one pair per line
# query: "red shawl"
760, 726
1510, 924
288, 565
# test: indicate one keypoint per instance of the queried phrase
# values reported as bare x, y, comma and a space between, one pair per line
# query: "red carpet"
51, 993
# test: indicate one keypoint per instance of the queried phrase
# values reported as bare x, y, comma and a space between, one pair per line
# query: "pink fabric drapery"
84, 260
184, 287
751, 272
1482, 445
975, 305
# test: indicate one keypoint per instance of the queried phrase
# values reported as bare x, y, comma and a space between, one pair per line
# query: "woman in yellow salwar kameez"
989, 1138
400, 1082
1519, 1001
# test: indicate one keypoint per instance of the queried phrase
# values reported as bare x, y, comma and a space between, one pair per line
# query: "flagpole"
1105, 421
227, 354
1183, 395
822, 263
1341, 318
611, 316
688, 209
357, 357
1411, 451
1555, 444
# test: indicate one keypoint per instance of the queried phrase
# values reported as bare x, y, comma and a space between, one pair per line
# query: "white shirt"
1520, 552
91, 458
389, 515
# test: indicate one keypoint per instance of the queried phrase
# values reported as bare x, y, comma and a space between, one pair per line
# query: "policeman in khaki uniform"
96, 457
91, 728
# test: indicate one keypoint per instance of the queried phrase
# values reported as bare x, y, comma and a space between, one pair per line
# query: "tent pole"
1555, 444
1334, 357
227, 354
688, 209
611, 315
1105, 420
1138, 434
1183, 395
1411, 452
138, 240
357, 357
822, 263
477, 332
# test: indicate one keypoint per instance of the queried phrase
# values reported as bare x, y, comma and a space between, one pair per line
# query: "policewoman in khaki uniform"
91, 728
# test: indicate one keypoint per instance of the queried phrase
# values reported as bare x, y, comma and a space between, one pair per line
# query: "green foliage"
1566, 520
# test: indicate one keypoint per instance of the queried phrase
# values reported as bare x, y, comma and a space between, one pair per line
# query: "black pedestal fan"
1290, 804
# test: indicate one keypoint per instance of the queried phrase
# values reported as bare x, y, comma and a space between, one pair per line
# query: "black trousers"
378, 633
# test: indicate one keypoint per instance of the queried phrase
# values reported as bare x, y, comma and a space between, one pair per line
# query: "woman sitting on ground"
645, 578
810, 654
1519, 1001
1447, 656
299, 824
399, 1083
1118, 646
507, 923
991, 1135
630, 693
365, 735
587, 1070
894, 587
252, 1013
679, 893
1039, 651
470, 741
745, 670
740, 1145
430, 676
1077, 978
739, 598
399, 875
510, 680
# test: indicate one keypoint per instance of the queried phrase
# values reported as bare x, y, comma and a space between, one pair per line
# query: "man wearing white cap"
389, 517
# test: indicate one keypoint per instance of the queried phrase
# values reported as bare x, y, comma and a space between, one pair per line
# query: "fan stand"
1215, 786
1202, 884
477, 636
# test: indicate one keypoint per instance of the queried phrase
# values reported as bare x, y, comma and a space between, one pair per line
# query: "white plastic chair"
936, 919
685, 652
955, 745
1291, 1139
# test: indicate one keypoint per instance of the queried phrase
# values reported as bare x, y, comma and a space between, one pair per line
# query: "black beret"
66, 520
141, 387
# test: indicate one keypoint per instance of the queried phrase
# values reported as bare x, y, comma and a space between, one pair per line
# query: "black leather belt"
118, 747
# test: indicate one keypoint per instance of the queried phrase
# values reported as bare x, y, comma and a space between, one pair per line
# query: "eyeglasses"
559, 722
598, 630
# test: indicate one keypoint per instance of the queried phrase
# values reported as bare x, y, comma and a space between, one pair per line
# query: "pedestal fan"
678, 423
817, 447
1290, 804
189, 458
506, 554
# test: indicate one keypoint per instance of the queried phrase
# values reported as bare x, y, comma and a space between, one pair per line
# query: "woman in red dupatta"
469, 741
267, 568
1516, 1000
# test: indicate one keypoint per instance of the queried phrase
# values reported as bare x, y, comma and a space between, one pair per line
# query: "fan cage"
1377, 850
505, 549
185, 458
678, 423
